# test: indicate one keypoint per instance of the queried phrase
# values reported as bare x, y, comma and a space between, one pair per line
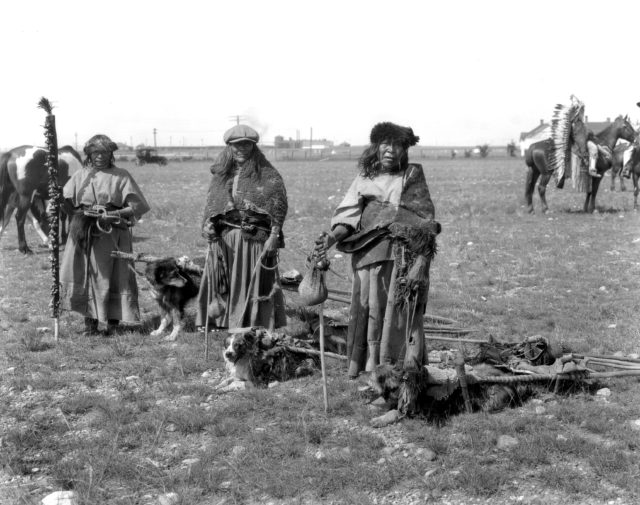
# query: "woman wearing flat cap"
104, 202
246, 207
386, 222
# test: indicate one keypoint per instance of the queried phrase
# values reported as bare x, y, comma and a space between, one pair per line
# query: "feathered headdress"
562, 123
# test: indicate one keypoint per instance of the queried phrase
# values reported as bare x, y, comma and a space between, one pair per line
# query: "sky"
463, 72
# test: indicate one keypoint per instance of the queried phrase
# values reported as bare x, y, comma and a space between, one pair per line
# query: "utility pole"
311, 142
154, 137
76, 141
236, 118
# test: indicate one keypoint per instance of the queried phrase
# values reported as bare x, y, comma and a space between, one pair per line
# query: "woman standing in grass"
105, 202
246, 207
386, 221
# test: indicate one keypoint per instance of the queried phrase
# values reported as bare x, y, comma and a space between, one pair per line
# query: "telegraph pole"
236, 118
311, 142
76, 141
154, 137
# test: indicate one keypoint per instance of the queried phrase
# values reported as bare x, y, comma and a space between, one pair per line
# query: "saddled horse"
24, 185
537, 159
620, 128
616, 167
539, 166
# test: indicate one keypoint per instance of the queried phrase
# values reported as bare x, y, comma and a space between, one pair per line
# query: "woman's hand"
323, 243
271, 245
209, 231
418, 274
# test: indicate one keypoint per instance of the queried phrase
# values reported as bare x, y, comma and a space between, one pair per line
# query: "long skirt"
97, 285
379, 331
253, 296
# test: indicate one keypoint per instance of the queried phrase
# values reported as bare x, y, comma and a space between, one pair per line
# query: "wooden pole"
54, 212
322, 367
206, 319
462, 379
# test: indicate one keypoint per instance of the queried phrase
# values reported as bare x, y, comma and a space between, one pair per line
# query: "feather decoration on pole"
54, 210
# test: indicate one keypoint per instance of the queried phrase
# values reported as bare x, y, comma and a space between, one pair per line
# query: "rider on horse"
626, 155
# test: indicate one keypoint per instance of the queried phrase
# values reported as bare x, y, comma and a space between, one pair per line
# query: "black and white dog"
257, 357
173, 284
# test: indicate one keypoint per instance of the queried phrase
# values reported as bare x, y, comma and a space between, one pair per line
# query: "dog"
257, 357
410, 393
174, 284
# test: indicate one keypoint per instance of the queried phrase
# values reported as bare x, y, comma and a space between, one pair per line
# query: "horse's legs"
613, 180
617, 172
590, 200
9, 209
24, 203
542, 191
530, 184
40, 220
636, 190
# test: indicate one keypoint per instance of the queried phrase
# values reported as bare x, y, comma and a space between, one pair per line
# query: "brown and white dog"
256, 357
173, 286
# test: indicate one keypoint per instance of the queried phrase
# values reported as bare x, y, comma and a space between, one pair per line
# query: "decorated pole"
53, 211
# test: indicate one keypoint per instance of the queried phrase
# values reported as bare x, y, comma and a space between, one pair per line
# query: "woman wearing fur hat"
105, 202
386, 222
246, 207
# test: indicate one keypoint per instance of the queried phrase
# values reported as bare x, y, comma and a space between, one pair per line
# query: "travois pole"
53, 213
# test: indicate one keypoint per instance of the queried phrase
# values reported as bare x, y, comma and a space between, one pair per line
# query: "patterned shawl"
261, 191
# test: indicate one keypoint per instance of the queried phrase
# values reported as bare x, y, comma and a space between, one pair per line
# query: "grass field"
131, 419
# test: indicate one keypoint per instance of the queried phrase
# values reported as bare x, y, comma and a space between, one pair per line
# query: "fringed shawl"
261, 190
411, 223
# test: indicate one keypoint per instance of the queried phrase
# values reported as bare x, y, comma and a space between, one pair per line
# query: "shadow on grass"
599, 210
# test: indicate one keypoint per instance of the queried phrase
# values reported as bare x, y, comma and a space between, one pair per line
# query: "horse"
621, 128
617, 166
24, 185
539, 166
538, 161
634, 166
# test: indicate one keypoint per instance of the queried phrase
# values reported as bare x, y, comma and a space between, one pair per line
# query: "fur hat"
394, 133
99, 143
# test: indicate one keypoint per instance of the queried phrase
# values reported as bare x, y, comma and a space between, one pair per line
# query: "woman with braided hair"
104, 202
246, 207
386, 222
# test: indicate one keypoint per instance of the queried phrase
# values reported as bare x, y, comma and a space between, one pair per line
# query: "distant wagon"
146, 155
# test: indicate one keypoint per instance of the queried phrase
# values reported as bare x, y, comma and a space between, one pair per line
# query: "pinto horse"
24, 185
620, 129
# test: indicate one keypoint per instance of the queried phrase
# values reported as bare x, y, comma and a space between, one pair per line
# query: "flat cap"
239, 133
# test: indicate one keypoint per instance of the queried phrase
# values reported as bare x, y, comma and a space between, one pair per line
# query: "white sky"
460, 72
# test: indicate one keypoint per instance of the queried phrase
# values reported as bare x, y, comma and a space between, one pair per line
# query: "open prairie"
131, 419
